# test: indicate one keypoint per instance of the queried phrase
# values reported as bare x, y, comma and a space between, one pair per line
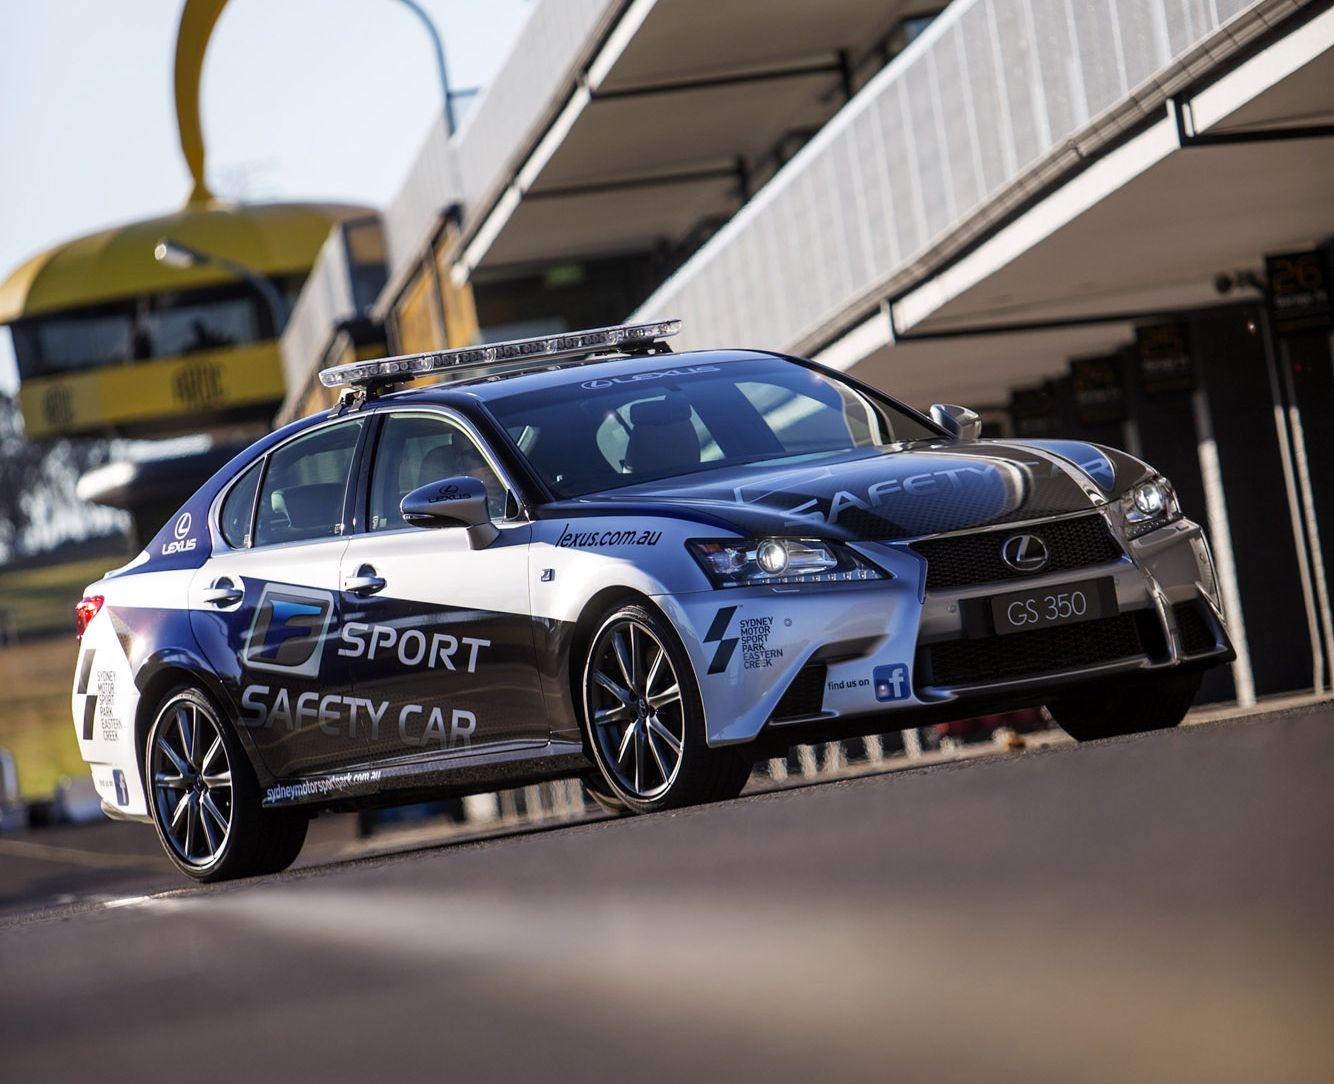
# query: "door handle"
221, 592
365, 582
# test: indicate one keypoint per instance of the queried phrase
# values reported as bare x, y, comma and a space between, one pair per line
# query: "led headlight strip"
540, 348
752, 562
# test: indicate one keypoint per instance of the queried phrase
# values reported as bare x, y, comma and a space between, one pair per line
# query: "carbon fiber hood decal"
924, 489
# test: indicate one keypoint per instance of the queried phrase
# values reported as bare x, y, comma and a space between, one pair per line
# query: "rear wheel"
645, 718
204, 798
1127, 707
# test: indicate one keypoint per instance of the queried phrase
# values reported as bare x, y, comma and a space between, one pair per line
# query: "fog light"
771, 555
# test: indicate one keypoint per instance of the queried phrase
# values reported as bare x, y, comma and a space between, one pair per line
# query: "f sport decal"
288, 630
717, 631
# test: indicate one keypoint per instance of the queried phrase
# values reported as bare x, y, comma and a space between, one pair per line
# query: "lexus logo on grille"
1025, 553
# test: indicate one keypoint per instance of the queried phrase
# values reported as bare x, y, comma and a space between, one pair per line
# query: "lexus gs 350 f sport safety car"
585, 555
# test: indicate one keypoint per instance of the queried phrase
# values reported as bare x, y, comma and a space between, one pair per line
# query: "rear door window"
302, 495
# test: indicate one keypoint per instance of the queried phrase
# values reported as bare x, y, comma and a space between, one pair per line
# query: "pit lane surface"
1150, 908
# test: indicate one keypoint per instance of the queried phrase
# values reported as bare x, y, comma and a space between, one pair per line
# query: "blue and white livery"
584, 555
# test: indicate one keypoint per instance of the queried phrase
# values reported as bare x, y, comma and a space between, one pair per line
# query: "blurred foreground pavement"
1154, 908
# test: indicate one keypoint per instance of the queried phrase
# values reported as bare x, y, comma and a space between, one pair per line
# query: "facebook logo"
288, 630
891, 682
122, 787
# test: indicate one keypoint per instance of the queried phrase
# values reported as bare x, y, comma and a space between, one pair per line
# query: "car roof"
484, 386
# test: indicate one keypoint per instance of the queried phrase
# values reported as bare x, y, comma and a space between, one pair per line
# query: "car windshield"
594, 434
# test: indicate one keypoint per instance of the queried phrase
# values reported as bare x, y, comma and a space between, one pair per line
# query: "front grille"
1028, 654
1197, 634
970, 559
805, 696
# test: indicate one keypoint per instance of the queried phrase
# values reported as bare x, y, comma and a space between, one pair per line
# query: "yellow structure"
198, 18
108, 340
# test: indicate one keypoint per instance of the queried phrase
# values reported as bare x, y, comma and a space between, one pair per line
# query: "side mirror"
957, 421
452, 502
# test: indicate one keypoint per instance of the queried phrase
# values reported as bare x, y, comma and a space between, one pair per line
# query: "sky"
301, 99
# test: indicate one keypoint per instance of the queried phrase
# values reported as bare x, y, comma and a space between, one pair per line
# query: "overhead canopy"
273, 239
1147, 229
1153, 224
684, 101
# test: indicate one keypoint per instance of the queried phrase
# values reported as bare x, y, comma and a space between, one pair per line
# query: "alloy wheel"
636, 716
192, 782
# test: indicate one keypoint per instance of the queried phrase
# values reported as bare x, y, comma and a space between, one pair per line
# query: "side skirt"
398, 781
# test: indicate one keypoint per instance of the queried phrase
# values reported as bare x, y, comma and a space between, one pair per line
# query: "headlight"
754, 562
1150, 505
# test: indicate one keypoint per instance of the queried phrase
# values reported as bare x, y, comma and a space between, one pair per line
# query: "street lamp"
420, 12
174, 254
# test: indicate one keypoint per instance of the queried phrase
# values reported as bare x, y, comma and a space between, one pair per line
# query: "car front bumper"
889, 654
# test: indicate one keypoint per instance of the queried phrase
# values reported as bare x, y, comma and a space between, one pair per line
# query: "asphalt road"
1155, 908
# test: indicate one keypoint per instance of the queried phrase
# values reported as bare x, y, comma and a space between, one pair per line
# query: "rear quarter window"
237, 513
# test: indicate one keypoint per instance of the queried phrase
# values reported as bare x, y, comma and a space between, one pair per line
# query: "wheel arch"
158, 677
581, 636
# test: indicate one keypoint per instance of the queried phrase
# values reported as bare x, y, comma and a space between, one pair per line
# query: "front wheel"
204, 798
603, 798
1126, 707
645, 718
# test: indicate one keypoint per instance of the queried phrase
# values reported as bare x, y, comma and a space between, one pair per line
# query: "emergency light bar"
541, 348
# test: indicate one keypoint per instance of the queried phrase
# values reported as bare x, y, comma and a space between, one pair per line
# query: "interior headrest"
659, 412
311, 505
440, 462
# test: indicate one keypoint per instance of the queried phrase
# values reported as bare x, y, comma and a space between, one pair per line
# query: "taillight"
85, 611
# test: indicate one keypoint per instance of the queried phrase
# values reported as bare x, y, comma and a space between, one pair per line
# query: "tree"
38, 504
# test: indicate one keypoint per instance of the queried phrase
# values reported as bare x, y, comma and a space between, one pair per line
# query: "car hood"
927, 487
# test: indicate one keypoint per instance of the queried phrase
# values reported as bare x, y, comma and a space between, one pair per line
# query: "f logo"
288, 630
891, 682
1025, 553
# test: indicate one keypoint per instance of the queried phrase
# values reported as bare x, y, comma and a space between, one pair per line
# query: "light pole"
174, 254
439, 63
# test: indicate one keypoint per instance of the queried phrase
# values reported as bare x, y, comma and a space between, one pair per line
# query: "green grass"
40, 600
37, 671
35, 721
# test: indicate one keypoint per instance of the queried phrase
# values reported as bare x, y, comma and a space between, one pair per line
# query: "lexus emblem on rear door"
1025, 553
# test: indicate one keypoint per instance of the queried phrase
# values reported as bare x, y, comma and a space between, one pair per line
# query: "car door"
438, 636
265, 606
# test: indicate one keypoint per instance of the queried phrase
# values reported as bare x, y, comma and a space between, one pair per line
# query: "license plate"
1063, 604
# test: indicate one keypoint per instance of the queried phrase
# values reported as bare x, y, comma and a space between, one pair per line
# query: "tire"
597, 790
204, 798
644, 719
1127, 707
